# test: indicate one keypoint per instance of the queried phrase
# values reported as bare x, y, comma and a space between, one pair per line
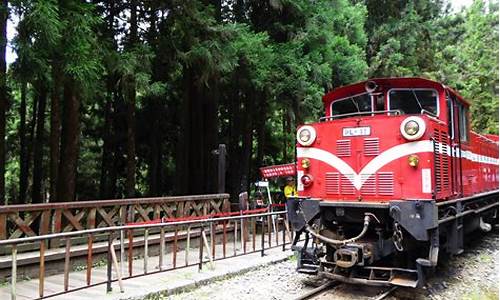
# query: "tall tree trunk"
154, 113
211, 127
70, 138
115, 158
286, 125
196, 166
23, 155
3, 94
131, 164
37, 191
193, 151
155, 141
130, 96
183, 139
55, 131
297, 117
247, 142
107, 162
31, 141
260, 127
235, 137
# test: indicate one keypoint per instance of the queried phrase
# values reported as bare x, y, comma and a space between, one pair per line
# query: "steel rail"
131, 227
386, 293
318, 290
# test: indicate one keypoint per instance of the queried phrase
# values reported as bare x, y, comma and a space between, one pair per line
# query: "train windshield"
353, 104
414, 101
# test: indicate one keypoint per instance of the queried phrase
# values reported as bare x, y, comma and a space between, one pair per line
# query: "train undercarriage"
395, 243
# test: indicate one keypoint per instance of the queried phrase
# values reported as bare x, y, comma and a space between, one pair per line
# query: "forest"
129, 98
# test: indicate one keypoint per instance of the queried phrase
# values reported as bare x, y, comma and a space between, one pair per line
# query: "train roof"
356, 88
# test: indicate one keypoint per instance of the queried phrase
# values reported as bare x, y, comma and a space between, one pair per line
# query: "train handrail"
361, 113
431, 114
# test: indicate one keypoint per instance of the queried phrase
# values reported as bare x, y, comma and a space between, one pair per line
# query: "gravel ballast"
472, 275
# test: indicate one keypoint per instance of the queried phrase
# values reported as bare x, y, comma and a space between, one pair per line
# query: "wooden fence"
19, 221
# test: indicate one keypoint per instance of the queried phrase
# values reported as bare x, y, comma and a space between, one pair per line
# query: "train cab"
398, 138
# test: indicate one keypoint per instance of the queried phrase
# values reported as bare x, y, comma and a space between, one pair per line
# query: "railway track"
316, 291
329, 285
386, 293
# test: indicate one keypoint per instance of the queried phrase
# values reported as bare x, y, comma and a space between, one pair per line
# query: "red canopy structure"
492, 137
278, 171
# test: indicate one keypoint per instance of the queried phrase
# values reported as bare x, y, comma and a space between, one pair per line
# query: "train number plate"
356, 131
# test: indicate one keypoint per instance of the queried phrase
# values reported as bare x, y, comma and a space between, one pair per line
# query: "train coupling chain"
397, 237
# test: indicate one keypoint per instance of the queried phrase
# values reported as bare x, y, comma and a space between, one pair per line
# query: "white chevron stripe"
383, 159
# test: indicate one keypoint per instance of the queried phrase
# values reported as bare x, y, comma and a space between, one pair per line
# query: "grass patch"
485, 258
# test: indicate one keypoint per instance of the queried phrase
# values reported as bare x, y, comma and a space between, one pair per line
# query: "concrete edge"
192, 286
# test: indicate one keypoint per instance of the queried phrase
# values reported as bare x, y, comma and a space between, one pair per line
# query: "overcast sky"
11, 31
457, 4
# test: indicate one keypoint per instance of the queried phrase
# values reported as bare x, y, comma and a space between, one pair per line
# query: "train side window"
451, 128
464, 123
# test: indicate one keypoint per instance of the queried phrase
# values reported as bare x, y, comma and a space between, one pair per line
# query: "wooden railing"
19, 221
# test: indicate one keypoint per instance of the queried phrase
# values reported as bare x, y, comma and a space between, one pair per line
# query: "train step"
312, 270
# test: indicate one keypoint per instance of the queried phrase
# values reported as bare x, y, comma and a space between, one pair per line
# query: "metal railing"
270, 230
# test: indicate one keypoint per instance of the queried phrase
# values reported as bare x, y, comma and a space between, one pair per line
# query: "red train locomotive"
391, 176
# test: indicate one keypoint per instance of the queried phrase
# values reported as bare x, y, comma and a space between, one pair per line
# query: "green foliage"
262, 66
403, 45
458, 49
479, 54
39, 33
80, 43
467, 59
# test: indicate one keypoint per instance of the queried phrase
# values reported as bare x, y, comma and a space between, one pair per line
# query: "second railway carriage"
388, 178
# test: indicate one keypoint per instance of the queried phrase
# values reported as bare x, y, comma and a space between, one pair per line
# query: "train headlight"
306, 135
306, 180
412, 128
413, 160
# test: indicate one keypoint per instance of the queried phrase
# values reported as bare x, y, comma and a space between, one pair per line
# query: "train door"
455, 240
467, 178
453, 133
